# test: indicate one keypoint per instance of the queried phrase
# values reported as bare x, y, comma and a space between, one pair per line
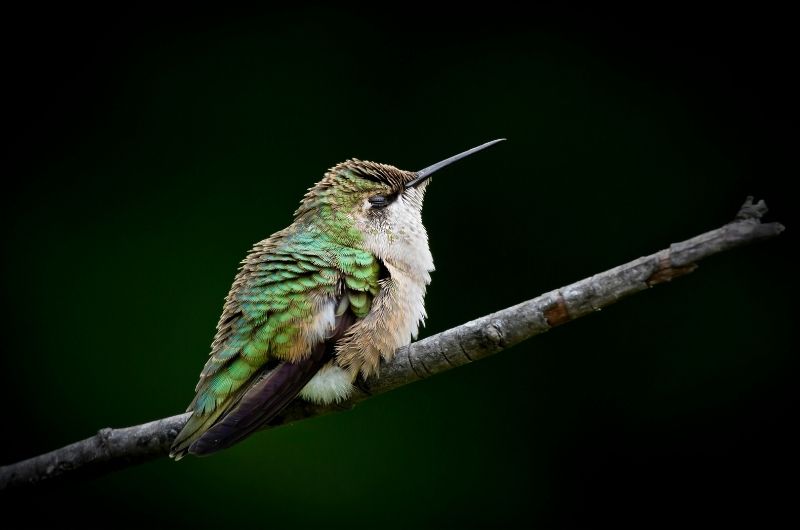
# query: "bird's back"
295, 295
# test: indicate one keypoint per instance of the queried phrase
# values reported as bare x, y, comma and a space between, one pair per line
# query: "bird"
317, 305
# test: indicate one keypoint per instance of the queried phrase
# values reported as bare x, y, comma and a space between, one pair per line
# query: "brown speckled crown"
381, 173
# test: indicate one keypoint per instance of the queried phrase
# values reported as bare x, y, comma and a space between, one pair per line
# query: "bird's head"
371, 205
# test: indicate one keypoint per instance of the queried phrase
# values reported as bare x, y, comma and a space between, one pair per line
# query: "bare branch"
112, 449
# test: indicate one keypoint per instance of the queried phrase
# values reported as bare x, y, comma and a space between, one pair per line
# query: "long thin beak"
425, 174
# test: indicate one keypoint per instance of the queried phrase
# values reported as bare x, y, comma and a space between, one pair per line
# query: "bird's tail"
259, 403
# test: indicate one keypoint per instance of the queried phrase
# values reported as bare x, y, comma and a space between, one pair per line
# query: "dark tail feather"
264, 400
269, 395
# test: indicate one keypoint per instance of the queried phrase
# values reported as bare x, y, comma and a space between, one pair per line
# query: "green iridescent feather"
270, 303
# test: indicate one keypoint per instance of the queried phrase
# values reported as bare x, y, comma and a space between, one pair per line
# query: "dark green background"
150, 150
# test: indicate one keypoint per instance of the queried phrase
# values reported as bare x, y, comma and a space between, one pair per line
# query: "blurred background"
150, 150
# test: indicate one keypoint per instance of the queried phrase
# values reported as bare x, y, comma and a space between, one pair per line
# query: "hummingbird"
318, 304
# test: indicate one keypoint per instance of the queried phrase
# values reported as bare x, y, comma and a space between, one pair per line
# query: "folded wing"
289, 304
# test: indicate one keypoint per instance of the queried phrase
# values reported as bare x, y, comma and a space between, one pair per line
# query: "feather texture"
279, 319
340, 287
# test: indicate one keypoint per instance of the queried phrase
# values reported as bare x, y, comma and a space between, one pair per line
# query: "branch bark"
112, 449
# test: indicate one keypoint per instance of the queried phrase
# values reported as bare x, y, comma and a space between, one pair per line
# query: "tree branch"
112, 449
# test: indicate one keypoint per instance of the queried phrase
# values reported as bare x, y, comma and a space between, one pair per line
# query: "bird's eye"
378, 201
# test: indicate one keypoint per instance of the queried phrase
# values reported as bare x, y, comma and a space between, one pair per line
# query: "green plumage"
270, 306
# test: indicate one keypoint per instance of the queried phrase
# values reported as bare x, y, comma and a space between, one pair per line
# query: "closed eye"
382, 201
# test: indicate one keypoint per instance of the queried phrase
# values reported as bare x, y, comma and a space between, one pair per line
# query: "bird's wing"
293, 298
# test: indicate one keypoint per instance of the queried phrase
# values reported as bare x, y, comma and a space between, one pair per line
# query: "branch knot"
493, 333
752, 211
